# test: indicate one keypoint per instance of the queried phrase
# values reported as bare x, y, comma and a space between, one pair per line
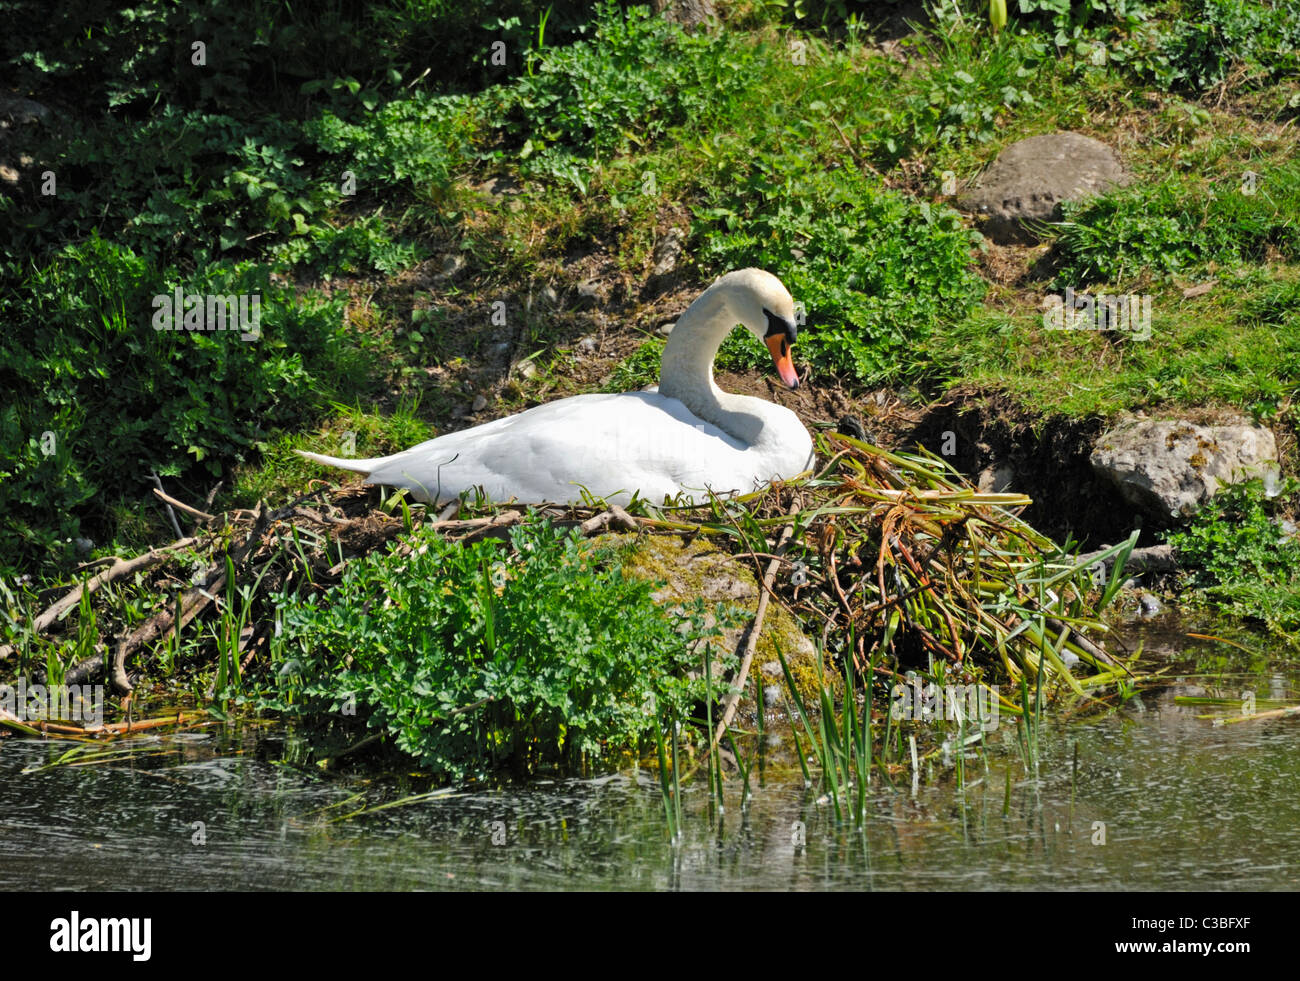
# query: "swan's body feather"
612, 446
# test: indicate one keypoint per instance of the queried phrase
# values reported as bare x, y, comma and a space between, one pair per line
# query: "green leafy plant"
1242, 557
874, 270
637, 76
100, 397
1212, 36
1178, 224
471, 655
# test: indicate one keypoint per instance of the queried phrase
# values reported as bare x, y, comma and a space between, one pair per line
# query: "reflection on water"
1182, 804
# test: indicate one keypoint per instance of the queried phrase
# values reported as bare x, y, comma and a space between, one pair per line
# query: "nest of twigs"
887, 558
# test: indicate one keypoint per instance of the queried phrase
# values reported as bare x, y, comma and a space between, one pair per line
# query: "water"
1161, 800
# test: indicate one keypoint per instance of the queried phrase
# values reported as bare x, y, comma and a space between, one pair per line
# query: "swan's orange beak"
779, 346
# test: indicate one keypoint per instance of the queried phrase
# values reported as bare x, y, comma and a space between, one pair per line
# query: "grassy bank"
436, 205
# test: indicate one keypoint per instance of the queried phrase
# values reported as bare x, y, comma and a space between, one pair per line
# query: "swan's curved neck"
686, 373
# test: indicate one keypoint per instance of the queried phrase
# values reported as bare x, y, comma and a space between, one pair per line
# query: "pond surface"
1160, 800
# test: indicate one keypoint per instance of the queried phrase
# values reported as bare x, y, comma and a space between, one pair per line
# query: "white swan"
681, 440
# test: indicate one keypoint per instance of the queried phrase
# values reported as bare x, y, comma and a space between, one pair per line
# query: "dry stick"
470, 524
192, 512
120, 568
320, 519
176, 525
212, 494
733, 700
163, 620
615, 518
95, 563
1150, 558
1086, 644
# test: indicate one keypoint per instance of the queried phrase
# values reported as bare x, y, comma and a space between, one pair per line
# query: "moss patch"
700, 568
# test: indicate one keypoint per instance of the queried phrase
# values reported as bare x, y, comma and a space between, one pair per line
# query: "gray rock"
1170, 468
587, 345
1030, 179
996, 479
497, 188
452, 266
665, 329
480, 403
588, 295
668, 251
15, 110
689, 14
525, 369
1149, 606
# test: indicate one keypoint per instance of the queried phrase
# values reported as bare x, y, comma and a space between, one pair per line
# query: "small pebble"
480, 403
1149, 605
451, 266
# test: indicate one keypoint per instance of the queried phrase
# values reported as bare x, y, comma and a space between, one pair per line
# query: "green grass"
781, 142
1239, 345
350, 432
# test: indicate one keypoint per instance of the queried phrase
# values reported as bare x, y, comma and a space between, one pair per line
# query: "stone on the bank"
1029, 181
1169, 468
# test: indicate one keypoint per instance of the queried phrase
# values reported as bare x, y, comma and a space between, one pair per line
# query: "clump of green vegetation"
465, 655
99, 397
874, 270
1212, 36
637, 76
1180, 224
1242, 558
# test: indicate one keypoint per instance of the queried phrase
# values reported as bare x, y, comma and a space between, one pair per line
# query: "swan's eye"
779, 325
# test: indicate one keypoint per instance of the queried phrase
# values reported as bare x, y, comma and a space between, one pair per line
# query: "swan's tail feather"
366, 467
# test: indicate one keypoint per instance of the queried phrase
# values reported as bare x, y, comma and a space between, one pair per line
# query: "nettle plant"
536, 650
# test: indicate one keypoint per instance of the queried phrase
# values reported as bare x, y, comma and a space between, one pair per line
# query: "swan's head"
759, 301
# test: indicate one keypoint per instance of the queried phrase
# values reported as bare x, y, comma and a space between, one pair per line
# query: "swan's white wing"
611, 445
